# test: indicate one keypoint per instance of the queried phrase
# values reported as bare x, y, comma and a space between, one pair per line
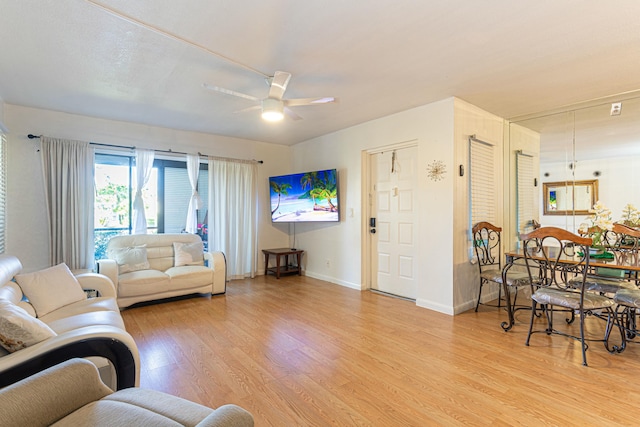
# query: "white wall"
441, 130
26, 215
431, 126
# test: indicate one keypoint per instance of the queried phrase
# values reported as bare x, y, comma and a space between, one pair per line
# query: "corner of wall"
471, 120
3, 127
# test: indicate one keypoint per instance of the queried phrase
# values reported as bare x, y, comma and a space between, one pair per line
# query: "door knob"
372, 231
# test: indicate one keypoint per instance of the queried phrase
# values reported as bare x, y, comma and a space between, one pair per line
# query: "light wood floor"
303, 352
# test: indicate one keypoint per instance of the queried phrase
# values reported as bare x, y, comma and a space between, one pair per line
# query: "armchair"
71, 394
89, 328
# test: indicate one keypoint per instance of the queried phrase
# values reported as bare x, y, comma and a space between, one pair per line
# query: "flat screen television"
305, 197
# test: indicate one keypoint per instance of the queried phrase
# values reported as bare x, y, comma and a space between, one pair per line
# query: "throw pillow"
20, 330
188, 253
51, 288
130, 259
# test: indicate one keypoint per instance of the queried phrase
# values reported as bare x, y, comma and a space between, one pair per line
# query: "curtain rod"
474, 137
31, 136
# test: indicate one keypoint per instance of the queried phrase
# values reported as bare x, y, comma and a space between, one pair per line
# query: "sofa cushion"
88, 305
131, 258
112, 413
143, 282
182, 411
70, 323
188, 253
161, 257
160, 252
51, 288
18, 329
190, 276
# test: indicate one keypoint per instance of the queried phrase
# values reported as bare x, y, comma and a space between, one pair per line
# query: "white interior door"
393, 205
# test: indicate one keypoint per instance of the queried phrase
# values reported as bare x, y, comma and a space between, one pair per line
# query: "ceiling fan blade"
292, 115
244, 110
230, 92
309, 101
279, 84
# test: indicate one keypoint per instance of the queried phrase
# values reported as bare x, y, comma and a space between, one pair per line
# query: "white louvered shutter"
482, 182
3, 191
526, 191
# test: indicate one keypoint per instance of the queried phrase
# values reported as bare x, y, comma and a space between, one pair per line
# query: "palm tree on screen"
326, 193
279, 189
310, 179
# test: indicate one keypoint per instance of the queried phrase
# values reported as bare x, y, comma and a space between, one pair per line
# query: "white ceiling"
377, 56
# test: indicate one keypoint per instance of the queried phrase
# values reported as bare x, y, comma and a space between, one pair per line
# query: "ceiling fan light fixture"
272, 110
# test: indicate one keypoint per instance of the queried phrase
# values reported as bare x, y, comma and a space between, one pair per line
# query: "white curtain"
233, 218
195, 203
69, 190
144, 165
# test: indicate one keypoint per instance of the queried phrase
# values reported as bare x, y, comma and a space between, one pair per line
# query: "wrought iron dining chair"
560, 256
621, 244
488, 250
627, 298
628, 303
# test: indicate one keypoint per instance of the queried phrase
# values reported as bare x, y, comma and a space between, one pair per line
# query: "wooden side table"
281, 268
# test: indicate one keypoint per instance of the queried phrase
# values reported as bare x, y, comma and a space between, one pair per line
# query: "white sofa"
88, 328
157, 274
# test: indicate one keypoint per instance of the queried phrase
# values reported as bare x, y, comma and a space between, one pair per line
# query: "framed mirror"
569, 197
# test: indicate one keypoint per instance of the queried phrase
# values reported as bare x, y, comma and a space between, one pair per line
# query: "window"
177, 193
166, 197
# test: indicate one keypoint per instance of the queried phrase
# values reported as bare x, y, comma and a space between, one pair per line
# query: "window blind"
3, 190
177, 192
525, 192
482, 182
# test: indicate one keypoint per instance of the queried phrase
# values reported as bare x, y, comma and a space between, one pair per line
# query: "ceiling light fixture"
272, 109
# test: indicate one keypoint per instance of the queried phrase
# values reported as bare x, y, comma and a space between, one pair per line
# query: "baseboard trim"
333, 280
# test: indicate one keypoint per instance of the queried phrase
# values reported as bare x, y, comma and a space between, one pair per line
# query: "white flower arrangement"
599, 222
630, 216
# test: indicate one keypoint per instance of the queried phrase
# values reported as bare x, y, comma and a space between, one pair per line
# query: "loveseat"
146, 267
46, 318
71, 394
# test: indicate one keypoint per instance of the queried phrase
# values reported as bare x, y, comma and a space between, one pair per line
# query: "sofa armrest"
109, 267
218, 263
99, 282
110, 342
228, 415
52, 394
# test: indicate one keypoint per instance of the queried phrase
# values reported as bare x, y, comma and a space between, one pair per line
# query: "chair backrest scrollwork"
487, 246
623, 242
557, 255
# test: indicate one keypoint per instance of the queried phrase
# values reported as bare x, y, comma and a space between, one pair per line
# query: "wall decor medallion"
436, 170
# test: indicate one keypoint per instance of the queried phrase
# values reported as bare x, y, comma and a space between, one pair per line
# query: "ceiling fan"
273, 106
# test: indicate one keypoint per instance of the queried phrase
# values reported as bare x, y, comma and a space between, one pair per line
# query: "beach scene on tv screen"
304, 197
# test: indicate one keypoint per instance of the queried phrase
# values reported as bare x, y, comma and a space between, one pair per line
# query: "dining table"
626, 264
